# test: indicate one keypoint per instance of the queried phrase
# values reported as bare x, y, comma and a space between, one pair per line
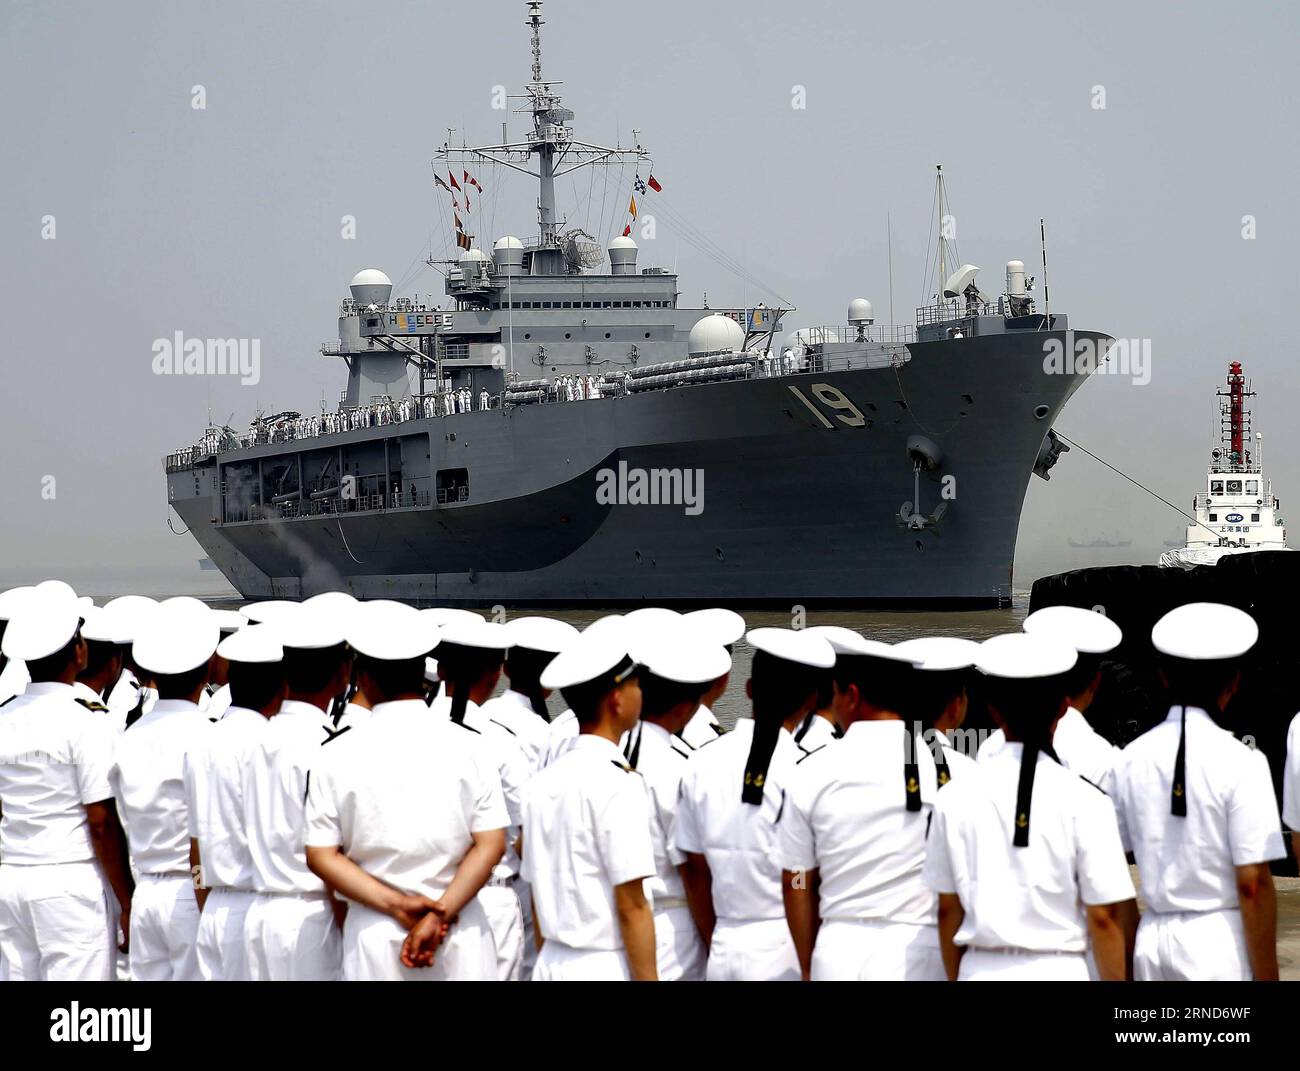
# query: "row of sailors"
835, 834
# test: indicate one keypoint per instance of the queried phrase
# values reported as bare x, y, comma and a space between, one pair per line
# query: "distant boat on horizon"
1100, 544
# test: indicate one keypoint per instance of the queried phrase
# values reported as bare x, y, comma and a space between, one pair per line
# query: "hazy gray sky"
226, 221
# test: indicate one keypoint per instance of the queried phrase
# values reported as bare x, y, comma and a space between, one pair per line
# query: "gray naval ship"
565, 432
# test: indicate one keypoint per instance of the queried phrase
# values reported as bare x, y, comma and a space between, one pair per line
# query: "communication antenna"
889, 241
1047, 301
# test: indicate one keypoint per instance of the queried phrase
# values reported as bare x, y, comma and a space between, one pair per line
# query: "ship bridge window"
1234, 487
1216, 487
1214, 516
1252, 487
1254, 518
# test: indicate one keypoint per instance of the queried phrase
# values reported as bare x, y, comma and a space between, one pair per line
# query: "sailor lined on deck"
60, 840
1197, 809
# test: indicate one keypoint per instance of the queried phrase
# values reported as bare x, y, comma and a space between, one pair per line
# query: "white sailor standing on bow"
470, 654
1197, 809
59, 835
725, 627
404, 819
174, 648
292, 931
677, 670
1024, 854
217, 805
586, 842
942, 678
852, 841
734, 795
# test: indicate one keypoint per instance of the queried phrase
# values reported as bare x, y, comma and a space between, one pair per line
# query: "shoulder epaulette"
717, 728
333, 734
809, 754
504, 726
91, 704
622, 766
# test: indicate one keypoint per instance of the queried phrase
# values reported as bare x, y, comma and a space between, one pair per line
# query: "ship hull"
792, 511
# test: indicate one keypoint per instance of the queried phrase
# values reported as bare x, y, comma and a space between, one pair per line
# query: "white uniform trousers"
164, 928
560, 963
54, 923
292, 937
1191, 946
873, 950
506, 921
679, 952
752, 950
221, 947
372, 947
981, 965
524, 891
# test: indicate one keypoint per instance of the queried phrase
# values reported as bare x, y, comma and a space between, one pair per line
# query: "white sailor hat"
543, 634
41, 625
611, 624
652, 617
844, 641
718, 623
442, 616
255, 644
332, 602
175, 638
267, 610
1087, 631
56, 588
229, 620
1201, 631
588, 659
131, 612
940, 652
102, 625
1020, 656
12, 599
391, 632
793, 646
477, 633
685, 659
306, 630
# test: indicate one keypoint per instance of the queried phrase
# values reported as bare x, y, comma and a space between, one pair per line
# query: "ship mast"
1234, 419
552, 142
941, 259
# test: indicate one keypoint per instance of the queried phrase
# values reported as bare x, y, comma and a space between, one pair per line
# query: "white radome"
861, 312
716, 332
370, 286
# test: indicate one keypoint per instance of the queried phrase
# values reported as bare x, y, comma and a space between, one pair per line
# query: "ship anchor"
924, 455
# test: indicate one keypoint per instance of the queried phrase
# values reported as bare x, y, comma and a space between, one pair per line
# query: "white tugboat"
1236, 512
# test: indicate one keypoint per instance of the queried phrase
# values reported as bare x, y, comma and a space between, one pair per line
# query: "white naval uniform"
1291, 777
586, 830
751, 940
702, 728
499, 896
1077, 744
1192, 927
148, 783
959, 763
14, 679
563, 731
55, 757
533, 735
821, 731
846, 815
215, 802
661, 760
291, 931
402, 797
1025, 916
214, 706
354, 714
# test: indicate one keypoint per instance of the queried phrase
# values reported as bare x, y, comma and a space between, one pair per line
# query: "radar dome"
472, 255
622, 256
508, 255
370, 286
860, 312
716, 332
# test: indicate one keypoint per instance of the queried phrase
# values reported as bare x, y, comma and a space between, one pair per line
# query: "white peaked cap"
686, 659
131, 612
392, 632
793, 646
718, 623
442, 616
229, 620
175, 638
543, 634
269, 610
332, 602
1203, 631
103, 625
588, 658
251, 645
1020, 656
656, 617
613, 625
476, 633
1086, 631
309, 628
940, 652
12, 599
42, 624
846, 641
56, 588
